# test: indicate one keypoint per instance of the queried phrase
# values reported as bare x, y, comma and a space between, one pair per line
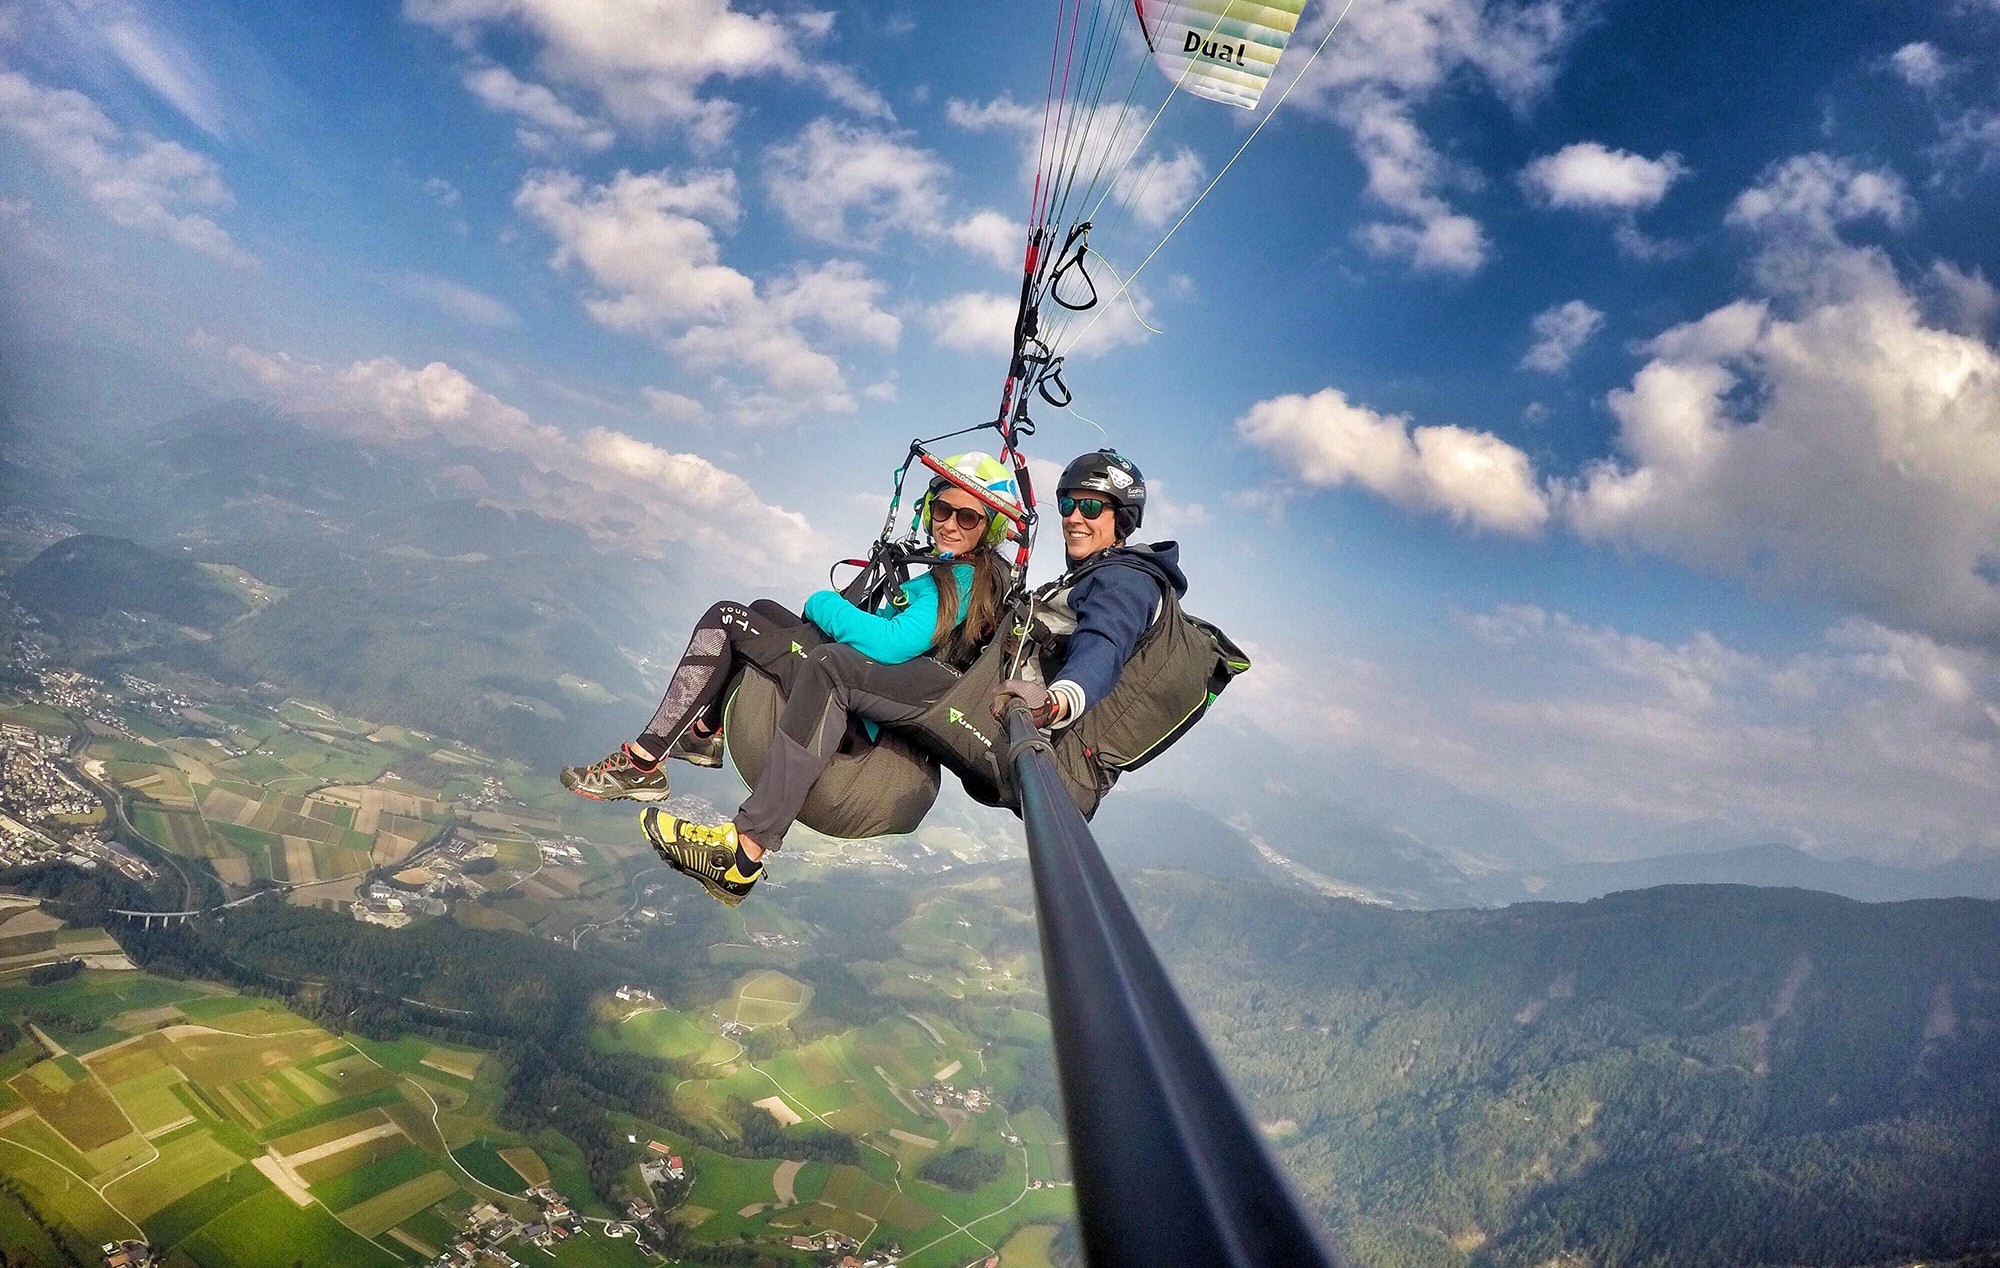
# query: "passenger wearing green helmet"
885, 666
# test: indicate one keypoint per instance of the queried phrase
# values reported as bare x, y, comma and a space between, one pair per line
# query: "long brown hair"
955, 641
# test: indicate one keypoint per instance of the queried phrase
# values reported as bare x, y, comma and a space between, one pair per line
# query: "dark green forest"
1677, 1076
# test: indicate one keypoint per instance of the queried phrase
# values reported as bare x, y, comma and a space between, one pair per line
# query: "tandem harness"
1181, 664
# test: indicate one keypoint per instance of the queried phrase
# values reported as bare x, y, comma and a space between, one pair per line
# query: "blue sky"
1594, 405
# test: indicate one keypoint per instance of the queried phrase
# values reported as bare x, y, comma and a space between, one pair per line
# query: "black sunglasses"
968, 517
1091, 507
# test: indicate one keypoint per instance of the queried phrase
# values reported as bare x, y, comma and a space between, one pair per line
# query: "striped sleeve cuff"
1072, 698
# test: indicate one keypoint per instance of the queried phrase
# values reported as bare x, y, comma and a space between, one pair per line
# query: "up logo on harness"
957, 718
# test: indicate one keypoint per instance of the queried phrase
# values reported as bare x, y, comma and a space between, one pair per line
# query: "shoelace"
705, 833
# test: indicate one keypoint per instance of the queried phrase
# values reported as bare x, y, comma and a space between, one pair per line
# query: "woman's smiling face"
947, 527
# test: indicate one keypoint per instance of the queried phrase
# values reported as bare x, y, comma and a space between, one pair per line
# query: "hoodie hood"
1160, 558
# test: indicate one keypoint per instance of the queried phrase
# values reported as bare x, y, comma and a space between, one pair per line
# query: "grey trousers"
834, 683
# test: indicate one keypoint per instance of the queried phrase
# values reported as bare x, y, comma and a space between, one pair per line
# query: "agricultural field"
655, 1032
31, 936
860, 1081
304, 797
187, 1112
766, 998
227, 1127
275, 803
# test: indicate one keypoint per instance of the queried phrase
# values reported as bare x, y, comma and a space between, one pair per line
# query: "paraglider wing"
1224, 50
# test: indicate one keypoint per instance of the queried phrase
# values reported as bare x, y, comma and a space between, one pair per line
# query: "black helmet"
1113, 476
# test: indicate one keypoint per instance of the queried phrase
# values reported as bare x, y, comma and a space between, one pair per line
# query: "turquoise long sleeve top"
902, 631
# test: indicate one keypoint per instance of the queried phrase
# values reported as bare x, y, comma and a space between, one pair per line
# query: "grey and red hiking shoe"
705, 851
617, 776
701, 750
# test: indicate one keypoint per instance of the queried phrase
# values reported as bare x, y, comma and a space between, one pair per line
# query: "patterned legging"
728, 634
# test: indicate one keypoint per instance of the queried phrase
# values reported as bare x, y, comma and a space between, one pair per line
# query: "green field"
79, 1108
597, 1251
186, 1163
333, 1169
59, 1194
37, 717
726, 1185
430, 1227
177, 1220
405, 1162
766, 998
327, 1132
268, 1229
383, 1093
391, 1207
180, 832
482, 1158
657, 1032
27, 1240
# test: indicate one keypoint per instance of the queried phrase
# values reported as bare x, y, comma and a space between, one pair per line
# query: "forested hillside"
90, 576
1688, 1075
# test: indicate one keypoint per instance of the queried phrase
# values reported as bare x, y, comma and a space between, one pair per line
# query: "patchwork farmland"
292, 795
218, 1125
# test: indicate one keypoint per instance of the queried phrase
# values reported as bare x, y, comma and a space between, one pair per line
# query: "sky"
1593, 405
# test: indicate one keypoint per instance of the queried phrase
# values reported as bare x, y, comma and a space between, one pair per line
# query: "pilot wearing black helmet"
1111, 593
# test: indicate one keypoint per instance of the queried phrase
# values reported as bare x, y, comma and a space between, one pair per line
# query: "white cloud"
975, 321
646, 240
1588, 176
1813, 194
836, 182
853, 185
1875, 741
983, 322
1973, 136
159, 62
1445, 242
456, 299
649, 62
1872, 741
1639, 245
1559, 333
1850, 451
648, 244
1473, 477
1152, 188
840, 297
139, 182
1404, 174
1970, 302
1158, 189
1919, 65
1387, 61
992, 237
547, 118
1003, 113
443, 191
627, 492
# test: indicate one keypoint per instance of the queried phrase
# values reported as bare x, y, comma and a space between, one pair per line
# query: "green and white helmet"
986, 473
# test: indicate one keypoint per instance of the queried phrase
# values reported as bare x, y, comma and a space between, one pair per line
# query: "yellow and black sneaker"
706, 851
619, 776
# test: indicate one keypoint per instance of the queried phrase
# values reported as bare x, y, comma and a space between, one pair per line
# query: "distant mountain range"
401, 593
1348, 854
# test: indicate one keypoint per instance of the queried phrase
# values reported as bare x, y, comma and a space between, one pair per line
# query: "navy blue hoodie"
1114, 605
